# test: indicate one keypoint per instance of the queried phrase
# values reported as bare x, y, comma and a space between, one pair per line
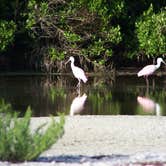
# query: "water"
123, 95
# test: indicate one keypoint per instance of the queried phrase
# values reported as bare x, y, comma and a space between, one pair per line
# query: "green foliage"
96, 29
151, 32
5, 107
98, 6
18, 142
105, 8
113, 35
97, 48
101, 101
37, 13
72, 37
31, 14
54, 93
102, 47
7, 30
55, 55
117, 7
70, 23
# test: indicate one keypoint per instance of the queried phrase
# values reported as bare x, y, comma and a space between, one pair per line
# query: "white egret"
78, 72
150, 69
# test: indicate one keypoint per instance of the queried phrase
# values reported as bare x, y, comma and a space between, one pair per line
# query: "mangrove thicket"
101, 34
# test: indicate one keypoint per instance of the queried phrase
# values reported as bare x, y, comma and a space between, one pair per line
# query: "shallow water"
123, 95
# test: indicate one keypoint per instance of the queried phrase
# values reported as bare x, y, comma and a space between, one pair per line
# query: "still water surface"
123, 95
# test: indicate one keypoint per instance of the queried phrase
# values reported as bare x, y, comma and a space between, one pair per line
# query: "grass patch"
17, 142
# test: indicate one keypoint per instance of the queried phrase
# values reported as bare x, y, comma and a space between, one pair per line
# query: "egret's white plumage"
150, 69
78, 72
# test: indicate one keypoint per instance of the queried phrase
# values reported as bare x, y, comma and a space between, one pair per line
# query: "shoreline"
123, 71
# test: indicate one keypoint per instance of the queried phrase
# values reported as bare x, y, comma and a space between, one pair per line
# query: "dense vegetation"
18, 142
41, 34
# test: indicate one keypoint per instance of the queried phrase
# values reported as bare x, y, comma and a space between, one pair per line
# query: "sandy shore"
107, 135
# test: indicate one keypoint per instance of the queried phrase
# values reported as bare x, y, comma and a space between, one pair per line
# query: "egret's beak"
164, 62
67, 62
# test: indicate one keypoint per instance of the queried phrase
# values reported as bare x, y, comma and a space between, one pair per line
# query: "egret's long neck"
158, 64
72, 64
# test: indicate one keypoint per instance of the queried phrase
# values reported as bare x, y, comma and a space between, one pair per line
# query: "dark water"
123, 95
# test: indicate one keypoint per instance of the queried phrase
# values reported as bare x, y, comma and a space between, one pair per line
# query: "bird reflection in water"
77, 105
149, 105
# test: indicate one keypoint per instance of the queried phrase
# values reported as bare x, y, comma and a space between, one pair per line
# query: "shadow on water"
123, 95
82, 159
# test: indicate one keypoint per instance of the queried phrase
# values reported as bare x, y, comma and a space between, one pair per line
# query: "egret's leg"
153, 84
147, 87
79, 83
78, 91
147, 81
